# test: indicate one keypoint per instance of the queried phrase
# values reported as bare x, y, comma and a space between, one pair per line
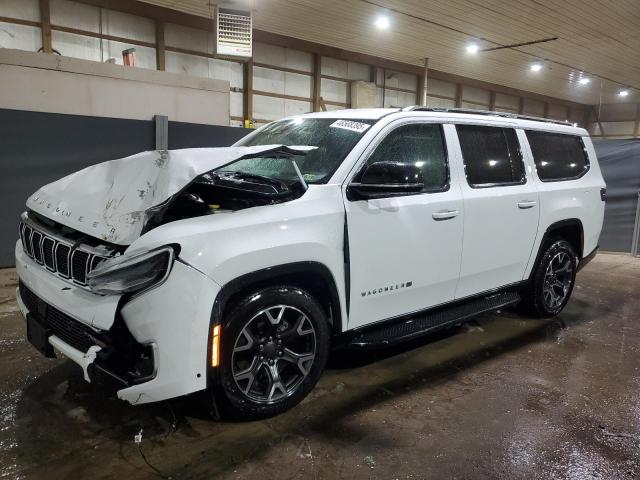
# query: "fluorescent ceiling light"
623, 93
536, 67
473, 48
584, 81
382, 22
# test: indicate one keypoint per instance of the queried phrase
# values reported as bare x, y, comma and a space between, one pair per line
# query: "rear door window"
558, 156
491, 155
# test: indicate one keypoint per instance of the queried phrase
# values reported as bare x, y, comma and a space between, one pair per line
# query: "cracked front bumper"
174, 318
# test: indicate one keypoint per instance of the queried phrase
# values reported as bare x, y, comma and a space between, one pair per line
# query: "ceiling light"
473, 48
382, 22
584, 81
536, 67
623, 93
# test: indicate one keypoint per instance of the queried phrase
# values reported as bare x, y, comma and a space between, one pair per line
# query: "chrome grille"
26, 239
79, 265
62, 259
47, 253
36, 246
65, 259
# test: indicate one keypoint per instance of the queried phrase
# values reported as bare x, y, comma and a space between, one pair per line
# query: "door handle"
444, 214
526, 204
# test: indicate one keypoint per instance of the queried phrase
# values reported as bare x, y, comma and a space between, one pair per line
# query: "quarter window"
557, 156
421, 144
491, 155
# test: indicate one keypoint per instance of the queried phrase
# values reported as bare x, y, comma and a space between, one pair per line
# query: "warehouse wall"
39, 148
282, 79
615, 120
44, 83
60, 114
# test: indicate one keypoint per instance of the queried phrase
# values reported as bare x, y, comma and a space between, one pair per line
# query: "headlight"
131, 273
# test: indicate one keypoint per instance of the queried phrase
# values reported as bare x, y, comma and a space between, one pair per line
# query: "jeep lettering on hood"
134, 194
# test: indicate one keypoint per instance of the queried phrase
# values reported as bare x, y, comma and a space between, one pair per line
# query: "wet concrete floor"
502, 397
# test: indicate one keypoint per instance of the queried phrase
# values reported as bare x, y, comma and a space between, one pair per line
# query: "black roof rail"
419, 108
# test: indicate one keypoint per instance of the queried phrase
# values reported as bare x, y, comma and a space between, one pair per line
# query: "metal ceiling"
598, 39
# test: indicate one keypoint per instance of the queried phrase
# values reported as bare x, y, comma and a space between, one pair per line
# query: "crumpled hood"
109, 200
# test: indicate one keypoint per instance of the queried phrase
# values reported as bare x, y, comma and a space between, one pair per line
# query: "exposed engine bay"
223, 192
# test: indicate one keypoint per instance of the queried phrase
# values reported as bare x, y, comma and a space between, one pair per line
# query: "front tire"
552, 282
274, 348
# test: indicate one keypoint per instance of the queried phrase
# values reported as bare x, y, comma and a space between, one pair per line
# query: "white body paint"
489, 243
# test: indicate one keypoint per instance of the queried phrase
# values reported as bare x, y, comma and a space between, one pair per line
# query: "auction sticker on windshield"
350, 125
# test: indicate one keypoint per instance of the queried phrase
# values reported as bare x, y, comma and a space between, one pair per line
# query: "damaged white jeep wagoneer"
236, 270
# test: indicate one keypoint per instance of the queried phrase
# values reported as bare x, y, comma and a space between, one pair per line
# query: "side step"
392, 332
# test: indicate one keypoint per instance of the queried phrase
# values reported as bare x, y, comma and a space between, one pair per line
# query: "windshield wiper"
272, 182
299, 173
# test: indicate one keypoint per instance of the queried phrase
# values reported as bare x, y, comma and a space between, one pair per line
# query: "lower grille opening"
67, 329
121, 356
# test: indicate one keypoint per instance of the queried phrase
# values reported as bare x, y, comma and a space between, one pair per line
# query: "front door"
405, 250
501, 209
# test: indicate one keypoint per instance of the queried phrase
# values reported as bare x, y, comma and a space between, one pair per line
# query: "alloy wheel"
557, 280
273, 353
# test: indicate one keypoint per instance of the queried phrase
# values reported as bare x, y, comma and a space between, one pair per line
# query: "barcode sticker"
350, 125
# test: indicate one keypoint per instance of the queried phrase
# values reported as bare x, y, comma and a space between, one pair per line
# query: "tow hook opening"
116, 369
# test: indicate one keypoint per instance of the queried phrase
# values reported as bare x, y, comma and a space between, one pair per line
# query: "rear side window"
491, 155
421, 144
558, 156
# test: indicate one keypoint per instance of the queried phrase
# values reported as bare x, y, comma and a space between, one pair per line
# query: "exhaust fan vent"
234, 33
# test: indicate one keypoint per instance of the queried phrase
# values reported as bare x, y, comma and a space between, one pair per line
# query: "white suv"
236, 270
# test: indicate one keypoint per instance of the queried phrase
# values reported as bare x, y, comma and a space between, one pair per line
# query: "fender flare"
263, 275
569, 222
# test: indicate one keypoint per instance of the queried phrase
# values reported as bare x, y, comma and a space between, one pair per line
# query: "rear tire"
274, 348
552, 281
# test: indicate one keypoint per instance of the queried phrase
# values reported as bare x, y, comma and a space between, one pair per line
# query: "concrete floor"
503, 397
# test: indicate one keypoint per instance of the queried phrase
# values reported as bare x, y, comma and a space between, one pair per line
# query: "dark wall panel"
192, 135
38, 148
620, 164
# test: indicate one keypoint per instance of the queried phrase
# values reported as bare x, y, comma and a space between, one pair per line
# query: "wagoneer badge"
390, 288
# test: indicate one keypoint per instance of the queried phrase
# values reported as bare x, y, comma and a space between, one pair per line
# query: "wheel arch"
314, 277
570, 229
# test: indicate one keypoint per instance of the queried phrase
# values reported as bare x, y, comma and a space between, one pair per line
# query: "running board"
392, 332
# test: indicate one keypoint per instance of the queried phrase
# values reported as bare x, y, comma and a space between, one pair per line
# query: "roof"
454, 114
361, 113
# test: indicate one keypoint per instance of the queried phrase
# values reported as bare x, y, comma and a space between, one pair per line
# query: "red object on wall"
129, 57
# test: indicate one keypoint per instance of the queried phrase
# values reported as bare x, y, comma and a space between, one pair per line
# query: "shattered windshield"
334, 138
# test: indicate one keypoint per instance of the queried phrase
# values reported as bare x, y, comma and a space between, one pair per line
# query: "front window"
334, 139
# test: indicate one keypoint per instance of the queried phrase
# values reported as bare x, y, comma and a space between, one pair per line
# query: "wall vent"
233, 33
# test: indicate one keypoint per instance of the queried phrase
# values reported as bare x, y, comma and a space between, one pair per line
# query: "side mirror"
387, 179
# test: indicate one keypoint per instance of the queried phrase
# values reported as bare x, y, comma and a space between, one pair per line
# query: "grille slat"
47, 253
79, 264
36, 246
62, 259
27, 240
57, 256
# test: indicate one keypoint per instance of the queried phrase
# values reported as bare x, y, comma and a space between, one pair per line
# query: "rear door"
501, 209
405, 250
